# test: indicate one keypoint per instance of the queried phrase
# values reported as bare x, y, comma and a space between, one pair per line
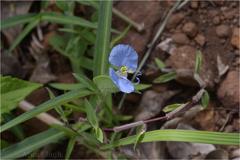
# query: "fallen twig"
44, 117
195, 99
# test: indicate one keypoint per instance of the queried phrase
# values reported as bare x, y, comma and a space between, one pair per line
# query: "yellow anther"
123, 70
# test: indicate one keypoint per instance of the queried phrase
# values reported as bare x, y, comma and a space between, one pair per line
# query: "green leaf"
44, 4
32, 143
3, 144
17, 20
159, 63
47, 16
71, 143
181, 136
118, 38
102, 44
69, 96
105, 84
85, 81
24, 33
198, 62
16, 130
67, 86
13, 91
171, 107
205, 99
99, 134
37, 141
139, 134
93, 4
66, 19
91, 114
59, 108
165, 78
64, 129
63, 5
140, 86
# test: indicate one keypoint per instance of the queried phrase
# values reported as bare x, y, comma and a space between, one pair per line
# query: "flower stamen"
123, 70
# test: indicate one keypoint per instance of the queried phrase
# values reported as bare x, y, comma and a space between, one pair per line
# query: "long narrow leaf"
16, 20
181, 136
63, 19
45, 107
103, 38
32, 143
37, 141
23, 34
70, 147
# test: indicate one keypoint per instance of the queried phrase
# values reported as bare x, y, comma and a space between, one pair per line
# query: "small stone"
182, 60
194, 4
222, 41
212, 13
228, 92
203, 4
190, 29
174, 20
222, 31
228, 128
200, 39
235, 38
230, 14
216, 20
180, 38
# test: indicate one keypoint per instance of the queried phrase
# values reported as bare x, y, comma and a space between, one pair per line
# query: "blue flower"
125, 58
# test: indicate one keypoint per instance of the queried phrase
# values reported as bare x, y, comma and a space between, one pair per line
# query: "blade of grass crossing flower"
181, 136
71, 95
102, 44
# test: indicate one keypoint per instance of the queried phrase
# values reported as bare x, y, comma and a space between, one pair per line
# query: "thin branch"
195, 99
151, 46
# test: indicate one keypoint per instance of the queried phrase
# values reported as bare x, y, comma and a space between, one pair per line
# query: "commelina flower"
125, 58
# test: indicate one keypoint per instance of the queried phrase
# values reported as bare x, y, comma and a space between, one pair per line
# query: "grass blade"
67, 86
45, 107
16, 20
198, 62
165, 77
24, 33
63, 19
37, 141
70, 147
32, 143
181, 136
103, 38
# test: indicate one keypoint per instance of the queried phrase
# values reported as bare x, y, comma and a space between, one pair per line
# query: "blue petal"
125, 85
124, 55
113, 76
121, 82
